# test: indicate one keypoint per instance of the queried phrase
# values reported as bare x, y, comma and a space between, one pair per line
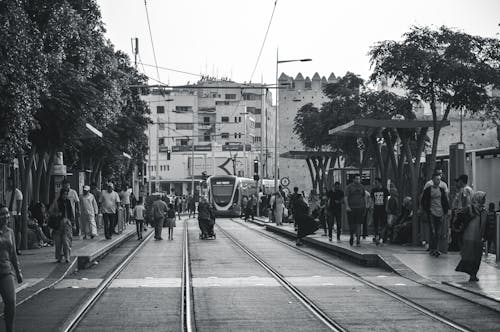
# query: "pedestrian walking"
335, 199
355, 206
160, 209
125, 201
322, 213
379, 196
89, 213
368, 213
491, 228
313, 201
191, 206
462, 201
206, 218
278, 206
139, 211
14, 200
436, 206
249, 208
393, 212
110, 201
75, 206
294, 198
170, 221
62, 225
9, 266
472, 249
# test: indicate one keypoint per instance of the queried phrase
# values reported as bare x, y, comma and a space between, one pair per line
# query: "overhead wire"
264, 41
151, 37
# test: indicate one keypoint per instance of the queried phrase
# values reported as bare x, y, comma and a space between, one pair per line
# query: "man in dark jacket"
435, 203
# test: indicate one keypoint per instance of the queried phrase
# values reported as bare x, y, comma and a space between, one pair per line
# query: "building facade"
298, 92
215, 126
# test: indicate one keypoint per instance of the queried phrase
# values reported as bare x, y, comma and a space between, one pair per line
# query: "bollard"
497, 238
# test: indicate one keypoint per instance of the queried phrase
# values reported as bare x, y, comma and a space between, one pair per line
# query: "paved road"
232, 292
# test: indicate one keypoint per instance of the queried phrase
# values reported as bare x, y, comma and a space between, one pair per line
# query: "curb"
85, 261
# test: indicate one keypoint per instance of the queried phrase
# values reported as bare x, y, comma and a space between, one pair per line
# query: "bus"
225, 192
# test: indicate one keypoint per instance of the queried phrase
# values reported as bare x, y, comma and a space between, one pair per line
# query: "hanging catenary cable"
152, 43
264, 41
174, 70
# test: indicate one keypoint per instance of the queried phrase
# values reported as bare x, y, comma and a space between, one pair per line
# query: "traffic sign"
285, 181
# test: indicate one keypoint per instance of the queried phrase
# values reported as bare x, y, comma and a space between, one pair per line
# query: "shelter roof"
299, 77
316, 77
305, 154
365, 127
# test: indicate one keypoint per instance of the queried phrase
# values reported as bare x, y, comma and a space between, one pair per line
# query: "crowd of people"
459, 223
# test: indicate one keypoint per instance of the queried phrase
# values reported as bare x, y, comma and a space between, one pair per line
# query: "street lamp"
276, 127
245, 142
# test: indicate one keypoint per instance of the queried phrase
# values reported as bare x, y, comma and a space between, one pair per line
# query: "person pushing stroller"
206, 219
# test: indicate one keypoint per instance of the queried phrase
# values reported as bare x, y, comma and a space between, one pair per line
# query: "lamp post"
276, 126
245, 142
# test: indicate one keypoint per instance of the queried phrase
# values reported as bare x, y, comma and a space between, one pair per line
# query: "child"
139, 218
490, 231
170, 222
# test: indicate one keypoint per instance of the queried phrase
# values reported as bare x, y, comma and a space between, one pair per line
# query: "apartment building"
215, 126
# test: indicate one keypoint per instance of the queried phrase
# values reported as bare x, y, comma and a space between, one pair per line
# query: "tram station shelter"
368, 127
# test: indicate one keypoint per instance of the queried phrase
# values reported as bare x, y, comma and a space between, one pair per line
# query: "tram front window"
222, 191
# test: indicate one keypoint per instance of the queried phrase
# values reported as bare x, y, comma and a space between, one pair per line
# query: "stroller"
207, 229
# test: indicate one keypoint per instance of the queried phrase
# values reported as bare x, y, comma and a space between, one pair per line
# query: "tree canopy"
442, 67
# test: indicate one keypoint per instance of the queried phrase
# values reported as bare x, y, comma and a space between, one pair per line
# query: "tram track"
187, 311
76, 317
408, 302
301, 297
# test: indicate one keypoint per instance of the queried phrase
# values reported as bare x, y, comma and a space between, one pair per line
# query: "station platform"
411, 262
41, 271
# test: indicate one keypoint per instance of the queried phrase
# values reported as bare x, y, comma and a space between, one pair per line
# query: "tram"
226, 192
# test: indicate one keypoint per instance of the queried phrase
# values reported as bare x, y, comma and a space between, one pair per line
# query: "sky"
222, 38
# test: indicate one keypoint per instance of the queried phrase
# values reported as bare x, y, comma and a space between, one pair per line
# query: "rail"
386, 291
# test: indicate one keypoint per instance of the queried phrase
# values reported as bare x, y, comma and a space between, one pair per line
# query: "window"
239, 119
235, 119
258, 124
235, 135
222, 103
230, 96
160, 109
161, 126
183, 109
308, 85
184, 126
161, 141
224, 119
257, 111
206, 137
182, 141
206, 120
224, 135
257, 139
239, 135
251, 110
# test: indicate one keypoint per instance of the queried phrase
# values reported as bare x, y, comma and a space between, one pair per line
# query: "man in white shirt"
75, 206
89, 213
14, 201
109, 205
442, 184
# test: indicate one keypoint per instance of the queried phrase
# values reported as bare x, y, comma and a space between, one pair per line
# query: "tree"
22, 68
440, 67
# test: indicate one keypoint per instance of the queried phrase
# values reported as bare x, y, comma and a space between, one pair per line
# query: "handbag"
285, 212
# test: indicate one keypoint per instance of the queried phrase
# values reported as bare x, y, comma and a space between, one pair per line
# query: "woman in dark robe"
306, 224
472, 249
